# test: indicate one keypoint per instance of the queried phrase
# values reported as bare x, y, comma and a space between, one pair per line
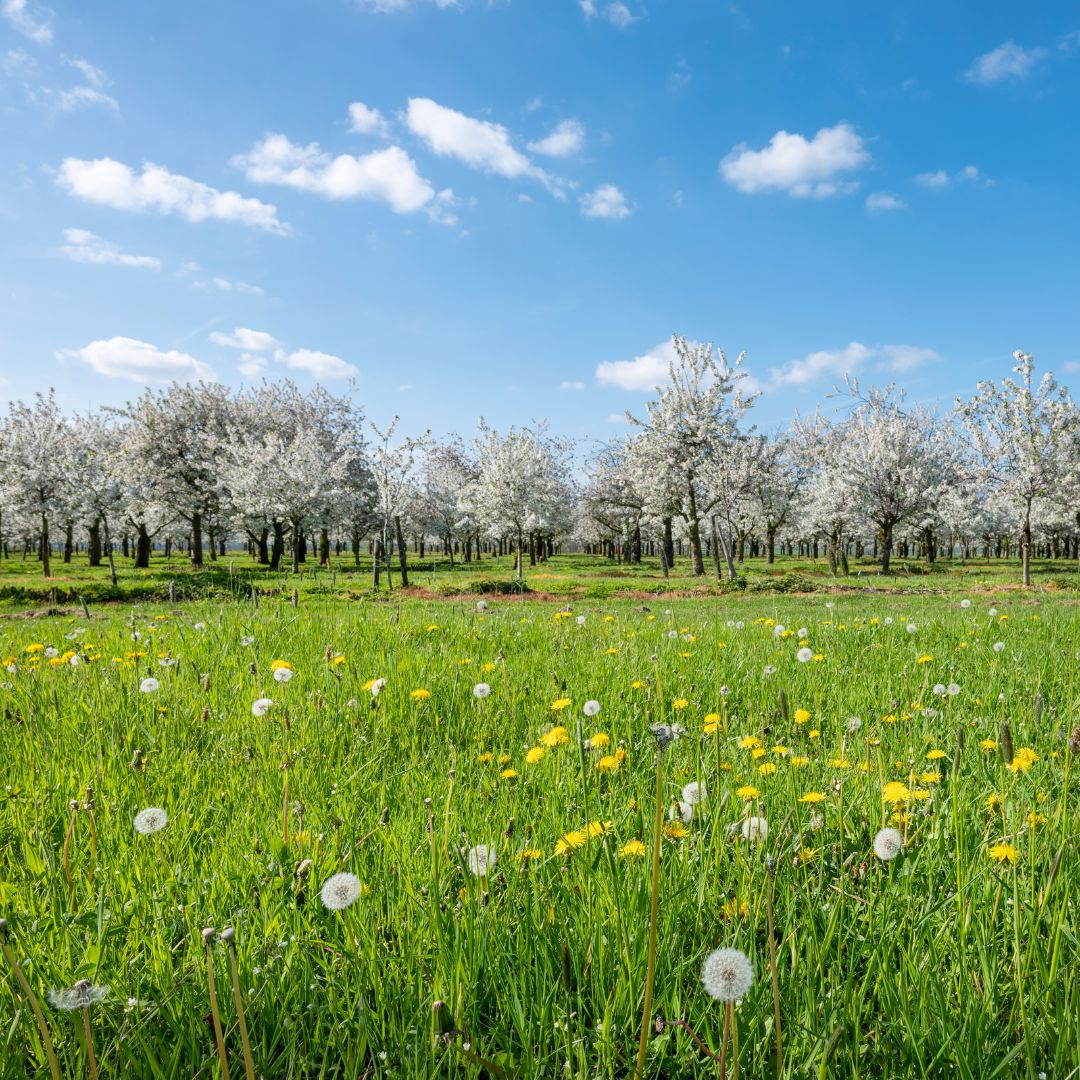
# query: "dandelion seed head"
727, 975
481, 690
694, 793
151, 820
283, 674
999, 646
888, 844
591, 708
681, 811
481, 859
804, 655
80, 996
339, 891
755, 828
148, 686
261, 706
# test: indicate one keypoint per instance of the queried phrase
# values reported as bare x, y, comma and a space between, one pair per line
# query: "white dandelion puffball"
283, 674
80, 996
340, 891
200, 626
673, 634
965, 604
939, 689
911, 628
777, 630
166, 661
803, 632
245, 641
888, 844
591, 708
953, 689
999, 646
769, 669
52, 652
481, 605
261, 706
725, 690
580, 620
804, 655
377, 686
151, 820
148, 686
694, 793
755, 828
482, 859
481, 690
75, 661
829, 604
681, 811
993, 612
727, 975
888, 620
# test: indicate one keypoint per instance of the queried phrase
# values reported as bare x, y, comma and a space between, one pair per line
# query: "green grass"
942, 962
235, 575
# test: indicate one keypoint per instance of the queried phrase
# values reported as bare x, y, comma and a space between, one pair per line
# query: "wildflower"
531, 855
676, 830
712, 723
559, 704
599, 740
987, 744
1034, 819
679, 704
591, 708
804, 655
151, 820
801, 716
508, 774
34, 647
420, 694
694, 793
557, 736
338, 660
993, 801
148, 686
1003, 852
598, 828
632, 849
769, 669
80, 996
999, 646
280, 665
260, 706
283, 674
812, 797
767, 768
665, 734
965, 604
681, 810
481, 859
609, 763
535, 755
895, 792
727, 975
952, 689
926, 658
485, 757
1023, 758
755, 828
911, 628
888, 844
481, 605
747, 791
340, 891
569, 842
481, 690
935, 755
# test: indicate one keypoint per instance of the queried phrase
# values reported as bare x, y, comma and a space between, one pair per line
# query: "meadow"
488, 774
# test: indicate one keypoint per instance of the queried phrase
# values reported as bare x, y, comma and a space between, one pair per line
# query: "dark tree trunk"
324, 547
142, 549
263, 549
45, 546
277, 549
694, 532
196, 539
93, 544
402, 559
886, 546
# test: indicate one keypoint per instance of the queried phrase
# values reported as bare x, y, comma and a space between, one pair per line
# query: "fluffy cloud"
112, 183
883, 201
1008, 61
480, 144
942, 179
363, 120
251, 365
84, 247
565, 139
319, 364
248, 340
801, 167
849, 360
19, 14
607, 202
616, 13
139, 361
90, 92
644, 372
571, 384
388, 175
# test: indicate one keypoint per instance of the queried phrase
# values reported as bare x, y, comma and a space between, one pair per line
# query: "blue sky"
505, 208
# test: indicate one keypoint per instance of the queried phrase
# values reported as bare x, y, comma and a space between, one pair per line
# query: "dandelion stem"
654, 904
724, 1040
91, 1061
28, 993
249, 1065
775, 979
214, 1013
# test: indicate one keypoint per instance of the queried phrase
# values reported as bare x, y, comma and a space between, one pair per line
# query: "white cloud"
942, 179
905, 358
248, 340
644, 372
1008, 61
364, 120
84, 247
801, 167
617, 13
571, 384
112, 183
480, 144
901, 359
1071, 366
319, 364
19, 14
879, 201
139, 361
388, 175
225, 285
405, 387
251, 365
607, 202
565, 139
616, 418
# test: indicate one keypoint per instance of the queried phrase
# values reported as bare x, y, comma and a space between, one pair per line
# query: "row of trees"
196, 465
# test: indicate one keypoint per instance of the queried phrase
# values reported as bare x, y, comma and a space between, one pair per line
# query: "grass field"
563, 576
958, 957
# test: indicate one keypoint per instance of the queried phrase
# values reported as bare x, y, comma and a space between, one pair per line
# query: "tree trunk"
770, 545
520, 545
261, 545
297, 544
45, 546
324, 547
277, 548
109, 550
93, 546
196, 539
669, 543
694, 532
69, 541
400, 538
1025, 544
142, 548
886, 546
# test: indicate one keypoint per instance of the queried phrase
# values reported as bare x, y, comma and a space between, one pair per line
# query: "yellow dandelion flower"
676, 830
747, 791
569, 842
609, 763
557, 736
679, 703
277, 665
934, 755
767, 769
895, 792
508, 774
420, 695
812, 797
632, 849
531, 855
1005, 853
926, 658
535, 755
600, 739
559, 704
